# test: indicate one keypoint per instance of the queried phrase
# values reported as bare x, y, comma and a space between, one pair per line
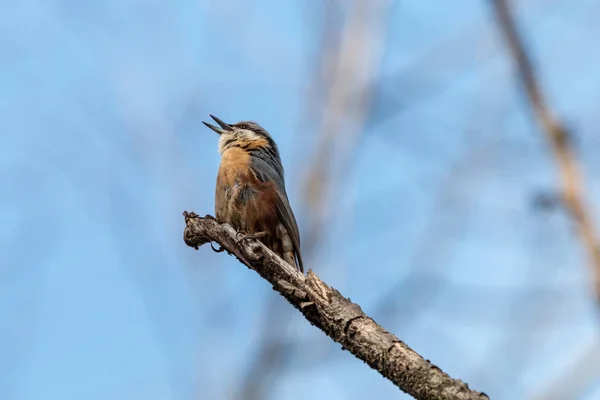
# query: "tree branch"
558, 137
338, 317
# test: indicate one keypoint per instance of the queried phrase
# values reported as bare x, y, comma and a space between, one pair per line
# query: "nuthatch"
250, 193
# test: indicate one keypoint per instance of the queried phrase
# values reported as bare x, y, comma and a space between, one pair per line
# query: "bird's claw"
219, 250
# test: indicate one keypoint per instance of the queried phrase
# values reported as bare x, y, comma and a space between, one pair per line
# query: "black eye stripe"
251, 127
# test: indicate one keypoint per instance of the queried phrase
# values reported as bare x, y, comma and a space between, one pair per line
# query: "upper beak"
225, 126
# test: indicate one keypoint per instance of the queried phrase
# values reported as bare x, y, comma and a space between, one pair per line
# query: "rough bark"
338, 317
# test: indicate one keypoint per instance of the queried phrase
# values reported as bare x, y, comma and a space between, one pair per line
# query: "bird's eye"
244, 126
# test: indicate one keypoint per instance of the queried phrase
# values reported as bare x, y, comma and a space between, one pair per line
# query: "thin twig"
558, 138
338, 317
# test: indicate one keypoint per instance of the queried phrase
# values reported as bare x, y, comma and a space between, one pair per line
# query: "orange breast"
241, 199
234, 162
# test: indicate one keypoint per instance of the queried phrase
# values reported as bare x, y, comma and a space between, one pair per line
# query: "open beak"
224, 126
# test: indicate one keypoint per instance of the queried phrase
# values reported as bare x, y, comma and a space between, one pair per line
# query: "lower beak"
224, 126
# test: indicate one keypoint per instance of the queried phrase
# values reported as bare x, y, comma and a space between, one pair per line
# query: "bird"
250, 191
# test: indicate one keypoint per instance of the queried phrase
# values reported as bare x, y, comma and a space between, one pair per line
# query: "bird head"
245, 134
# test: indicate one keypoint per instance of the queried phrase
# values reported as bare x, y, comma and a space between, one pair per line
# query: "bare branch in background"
422, 81
339, 318
576, 380
355, 62
271, 353
558, 138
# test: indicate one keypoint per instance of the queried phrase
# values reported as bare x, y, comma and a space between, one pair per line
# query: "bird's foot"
241, 237
255, 235
249, 236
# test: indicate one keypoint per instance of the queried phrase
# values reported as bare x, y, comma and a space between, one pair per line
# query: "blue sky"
432, 230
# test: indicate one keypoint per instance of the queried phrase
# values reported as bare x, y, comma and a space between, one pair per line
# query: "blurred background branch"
575, 380
347, 74
559, 139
